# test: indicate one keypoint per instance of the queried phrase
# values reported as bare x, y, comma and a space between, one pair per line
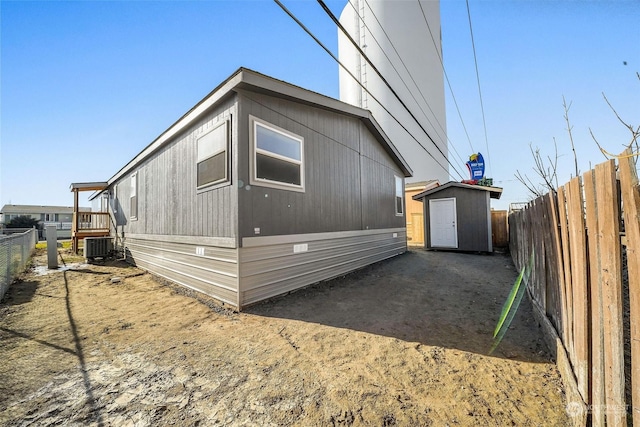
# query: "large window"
212, 156
399, 196
278, 156
133, 200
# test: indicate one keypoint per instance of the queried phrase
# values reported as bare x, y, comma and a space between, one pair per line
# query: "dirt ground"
403, 342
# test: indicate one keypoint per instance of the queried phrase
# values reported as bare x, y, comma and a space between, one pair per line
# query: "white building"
402, 39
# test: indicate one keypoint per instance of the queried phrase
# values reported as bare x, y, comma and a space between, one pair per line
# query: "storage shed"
261, 188
457, 216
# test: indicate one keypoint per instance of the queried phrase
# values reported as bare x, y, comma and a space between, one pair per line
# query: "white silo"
402, 40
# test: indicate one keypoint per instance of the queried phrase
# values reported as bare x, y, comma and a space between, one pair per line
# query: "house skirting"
265, 266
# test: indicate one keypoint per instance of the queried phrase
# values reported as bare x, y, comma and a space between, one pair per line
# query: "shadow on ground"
444, 299
20, 292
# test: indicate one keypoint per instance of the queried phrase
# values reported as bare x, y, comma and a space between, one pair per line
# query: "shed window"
212, 156
133, 201
399, 196
278, 156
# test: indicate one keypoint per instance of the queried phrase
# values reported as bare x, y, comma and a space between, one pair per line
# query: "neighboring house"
458, 216
415, 214
261, 188
60, 216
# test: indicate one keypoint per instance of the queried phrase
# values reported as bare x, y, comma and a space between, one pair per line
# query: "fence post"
631, 199
10, 261
595, 291
608, 210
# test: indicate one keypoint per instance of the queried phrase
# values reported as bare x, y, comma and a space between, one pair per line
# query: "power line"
384, 80
280, 113
475, 59
408, 72
455, 101
394, 67
297, 21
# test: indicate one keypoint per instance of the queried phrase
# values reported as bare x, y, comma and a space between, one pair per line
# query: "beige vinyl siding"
270, 267
213, 271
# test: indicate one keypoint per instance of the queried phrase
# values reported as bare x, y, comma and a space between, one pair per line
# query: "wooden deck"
88, 224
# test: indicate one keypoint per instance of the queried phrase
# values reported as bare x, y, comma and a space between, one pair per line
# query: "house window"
114, 199
133, 201
278, 157
212, 156
399, 196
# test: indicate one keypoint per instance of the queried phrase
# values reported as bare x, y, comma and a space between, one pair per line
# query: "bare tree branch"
547, 168
625, 124
530, 186
546, 172
635, 132
569, 128
598, 144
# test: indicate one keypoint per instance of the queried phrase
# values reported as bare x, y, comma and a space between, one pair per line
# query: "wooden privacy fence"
585, 282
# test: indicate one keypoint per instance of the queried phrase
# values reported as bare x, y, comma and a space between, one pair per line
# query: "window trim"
133, 195
254, 122
227, 149
395, 198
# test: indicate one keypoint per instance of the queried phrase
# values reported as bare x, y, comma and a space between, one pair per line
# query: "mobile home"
261, 188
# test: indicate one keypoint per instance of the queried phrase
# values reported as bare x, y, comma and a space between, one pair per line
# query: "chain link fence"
15, 251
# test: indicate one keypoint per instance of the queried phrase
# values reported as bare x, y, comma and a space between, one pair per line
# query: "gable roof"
37, 209
494, 192
247, 79
421, 185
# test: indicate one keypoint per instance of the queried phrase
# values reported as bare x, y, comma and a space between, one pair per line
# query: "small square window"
213, 162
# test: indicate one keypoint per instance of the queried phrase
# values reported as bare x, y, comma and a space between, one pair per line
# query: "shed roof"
494, 192
246, 79
421, 185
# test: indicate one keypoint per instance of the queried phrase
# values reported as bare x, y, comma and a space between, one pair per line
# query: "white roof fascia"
178, 126
251, 79
492, 190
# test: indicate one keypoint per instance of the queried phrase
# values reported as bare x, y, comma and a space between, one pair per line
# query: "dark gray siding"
473, 222
168, 201
377, 185
349, 178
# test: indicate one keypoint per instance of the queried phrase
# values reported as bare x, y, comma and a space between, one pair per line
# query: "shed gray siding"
349, 178
473, 218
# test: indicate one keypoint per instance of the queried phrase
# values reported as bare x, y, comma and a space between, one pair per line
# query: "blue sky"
85, 86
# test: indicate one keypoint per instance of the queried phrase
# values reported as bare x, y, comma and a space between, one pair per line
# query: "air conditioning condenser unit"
97, 247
